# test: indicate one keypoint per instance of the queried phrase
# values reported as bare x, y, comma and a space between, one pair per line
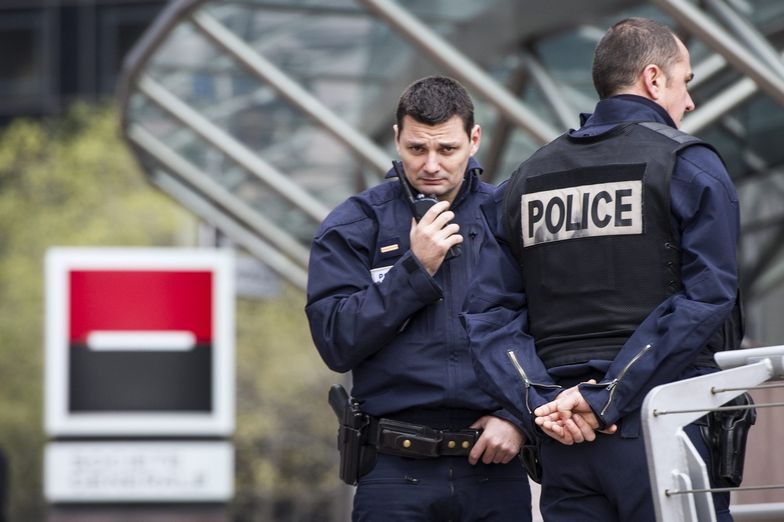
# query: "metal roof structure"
261, 115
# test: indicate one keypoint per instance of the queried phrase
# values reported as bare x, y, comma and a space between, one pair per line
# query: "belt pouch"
407, 440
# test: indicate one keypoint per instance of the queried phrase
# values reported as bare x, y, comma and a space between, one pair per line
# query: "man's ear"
476, 138
653, 81
397, 138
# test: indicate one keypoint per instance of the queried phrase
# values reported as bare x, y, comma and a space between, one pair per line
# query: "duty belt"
404, 439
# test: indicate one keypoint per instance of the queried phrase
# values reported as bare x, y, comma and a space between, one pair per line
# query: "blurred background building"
259, 116
53, 52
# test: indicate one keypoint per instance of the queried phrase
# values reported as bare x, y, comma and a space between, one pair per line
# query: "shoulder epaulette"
674, 134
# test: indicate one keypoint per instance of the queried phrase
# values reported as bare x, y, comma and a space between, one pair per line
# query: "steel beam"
221, 140
706, 69
719, 105
200, 180
291, 91
747, 34
551, 91
502, 130
259, 248
465, 70
713, 35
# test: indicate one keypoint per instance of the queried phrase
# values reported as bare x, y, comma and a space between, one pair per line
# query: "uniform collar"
620, 109
470, 180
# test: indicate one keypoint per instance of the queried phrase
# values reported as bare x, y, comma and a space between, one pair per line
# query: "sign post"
139, 376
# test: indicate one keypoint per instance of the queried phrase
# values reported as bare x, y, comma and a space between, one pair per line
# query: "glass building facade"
53, 52
260, 116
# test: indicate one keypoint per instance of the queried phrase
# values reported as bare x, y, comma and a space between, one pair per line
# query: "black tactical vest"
589, 220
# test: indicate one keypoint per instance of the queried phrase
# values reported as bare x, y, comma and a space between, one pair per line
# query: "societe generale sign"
139, 342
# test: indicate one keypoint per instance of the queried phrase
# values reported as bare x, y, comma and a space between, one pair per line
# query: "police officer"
615, 272
384, 293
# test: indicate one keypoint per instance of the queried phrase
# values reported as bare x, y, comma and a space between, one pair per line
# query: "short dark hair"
435, 99
625, 50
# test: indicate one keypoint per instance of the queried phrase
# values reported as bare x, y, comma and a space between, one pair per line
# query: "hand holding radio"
433, 238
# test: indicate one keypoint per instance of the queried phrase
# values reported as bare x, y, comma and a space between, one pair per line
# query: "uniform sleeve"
350, 316
705, 208
496, 321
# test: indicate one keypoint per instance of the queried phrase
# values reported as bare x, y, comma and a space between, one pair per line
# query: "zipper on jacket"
521, 371
526, 381
614, 383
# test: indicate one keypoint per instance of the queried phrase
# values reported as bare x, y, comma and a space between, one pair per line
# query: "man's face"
675, 96
435, 156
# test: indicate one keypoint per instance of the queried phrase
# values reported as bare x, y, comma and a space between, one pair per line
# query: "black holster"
357, 456
530, 455
725, 433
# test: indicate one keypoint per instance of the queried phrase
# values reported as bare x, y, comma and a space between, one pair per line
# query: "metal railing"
678, 474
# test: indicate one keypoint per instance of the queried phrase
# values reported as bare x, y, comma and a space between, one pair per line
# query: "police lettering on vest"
602, 209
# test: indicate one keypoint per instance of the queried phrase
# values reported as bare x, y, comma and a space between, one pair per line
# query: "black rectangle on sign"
140, 381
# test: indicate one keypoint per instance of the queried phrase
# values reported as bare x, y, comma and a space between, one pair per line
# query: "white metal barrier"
679, 476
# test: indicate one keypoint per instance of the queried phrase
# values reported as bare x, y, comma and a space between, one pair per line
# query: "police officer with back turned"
387, 277
613, 270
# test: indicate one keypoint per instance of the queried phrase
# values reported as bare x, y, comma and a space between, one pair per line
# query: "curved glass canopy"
261, 115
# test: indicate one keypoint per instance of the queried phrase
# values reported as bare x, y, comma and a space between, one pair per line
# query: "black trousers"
443, 489
606, 480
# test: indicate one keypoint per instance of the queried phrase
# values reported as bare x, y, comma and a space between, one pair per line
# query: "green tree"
286, 432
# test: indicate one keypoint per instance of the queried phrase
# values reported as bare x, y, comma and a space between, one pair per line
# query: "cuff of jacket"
538, 396
542, 395
419, 279
598, 398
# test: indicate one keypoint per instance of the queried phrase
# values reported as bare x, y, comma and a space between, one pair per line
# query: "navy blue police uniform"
375, 311
615, 260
